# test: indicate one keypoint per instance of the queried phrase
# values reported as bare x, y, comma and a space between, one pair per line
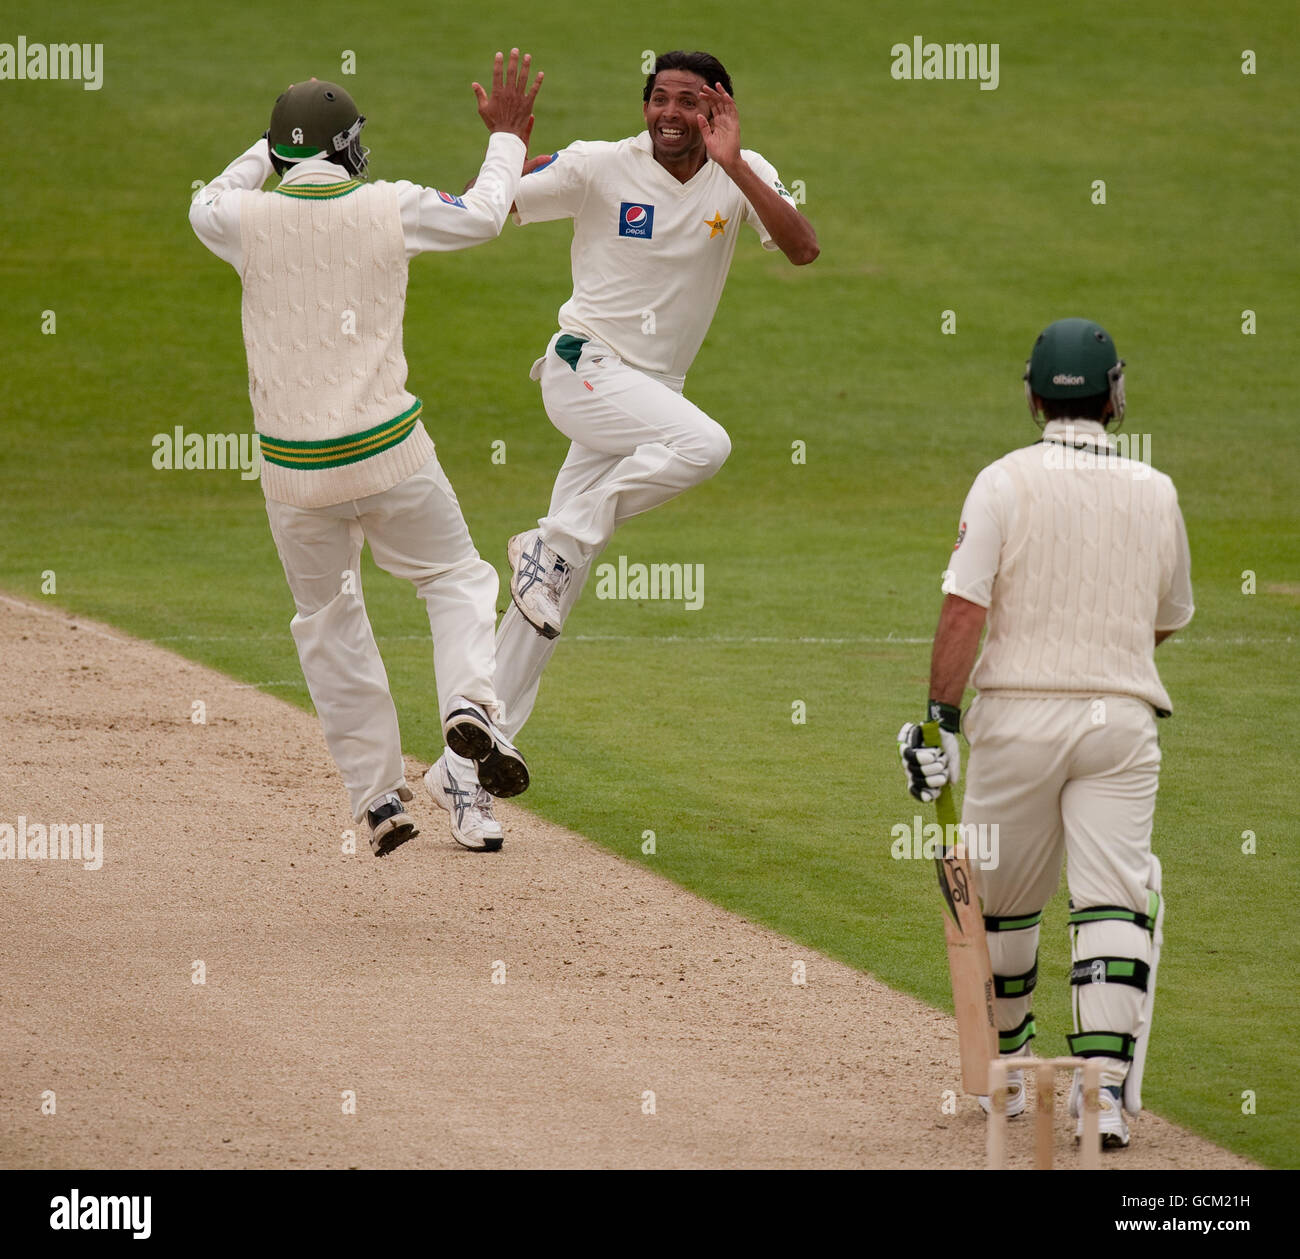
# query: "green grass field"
822, 580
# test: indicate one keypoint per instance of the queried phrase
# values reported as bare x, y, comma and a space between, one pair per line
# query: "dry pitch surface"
328, 973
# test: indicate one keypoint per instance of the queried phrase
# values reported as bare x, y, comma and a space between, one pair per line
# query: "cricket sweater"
1080, 556
323, 260
324, 294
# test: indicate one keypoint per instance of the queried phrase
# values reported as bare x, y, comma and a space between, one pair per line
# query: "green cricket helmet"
1075, 358
316, 119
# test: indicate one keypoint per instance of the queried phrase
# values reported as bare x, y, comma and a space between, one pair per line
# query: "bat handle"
944, 806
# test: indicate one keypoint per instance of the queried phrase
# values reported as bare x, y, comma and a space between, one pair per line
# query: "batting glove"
929, 769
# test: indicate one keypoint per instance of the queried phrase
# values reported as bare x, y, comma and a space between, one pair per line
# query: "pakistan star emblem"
717, 225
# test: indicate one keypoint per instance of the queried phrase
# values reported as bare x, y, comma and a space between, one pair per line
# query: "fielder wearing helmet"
1074, 557
316, 120
346, 459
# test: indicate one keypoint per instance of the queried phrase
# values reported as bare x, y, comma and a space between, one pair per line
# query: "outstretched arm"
530, 164
434, 220
790, 230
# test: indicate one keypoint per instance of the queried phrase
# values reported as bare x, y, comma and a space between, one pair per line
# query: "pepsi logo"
636, 219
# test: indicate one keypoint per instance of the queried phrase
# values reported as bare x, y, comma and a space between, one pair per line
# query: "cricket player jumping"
1078, 560
656, 219
346, 458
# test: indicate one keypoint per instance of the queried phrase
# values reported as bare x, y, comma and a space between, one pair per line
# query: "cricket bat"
968, 949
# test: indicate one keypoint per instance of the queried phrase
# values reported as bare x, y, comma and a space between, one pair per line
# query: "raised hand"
510, 107
722, 134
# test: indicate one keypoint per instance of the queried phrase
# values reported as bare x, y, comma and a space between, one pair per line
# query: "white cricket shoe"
471, 733
1015, 1096
538, 578
470, 807
390, 824
1111, 1122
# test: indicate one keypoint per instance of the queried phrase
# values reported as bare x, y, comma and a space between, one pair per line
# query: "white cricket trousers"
1076, 778
636, 443
416, 531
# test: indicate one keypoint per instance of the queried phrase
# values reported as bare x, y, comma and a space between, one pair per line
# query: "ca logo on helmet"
297, 135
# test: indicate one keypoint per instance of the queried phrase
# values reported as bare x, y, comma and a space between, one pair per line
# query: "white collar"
315, 170
1090, 432
643, 143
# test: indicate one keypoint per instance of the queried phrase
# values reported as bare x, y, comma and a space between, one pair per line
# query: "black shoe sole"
468, 738
549, 631
394, 839
502, 774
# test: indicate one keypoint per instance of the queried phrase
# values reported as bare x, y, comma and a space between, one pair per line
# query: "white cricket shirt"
1080, 556
650, 254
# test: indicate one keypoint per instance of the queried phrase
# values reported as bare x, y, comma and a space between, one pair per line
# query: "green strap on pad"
1111, 970
1016, 985
1018, 1037
1021, 922
1102, 1045
1118, 913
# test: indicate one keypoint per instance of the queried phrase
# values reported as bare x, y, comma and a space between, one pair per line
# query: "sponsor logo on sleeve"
961, 536
636, 219
450, 200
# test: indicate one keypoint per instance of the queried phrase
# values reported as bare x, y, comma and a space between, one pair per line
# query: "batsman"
1076, 559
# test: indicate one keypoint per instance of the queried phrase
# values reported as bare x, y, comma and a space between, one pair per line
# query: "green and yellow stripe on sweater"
334, 452
320, 192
